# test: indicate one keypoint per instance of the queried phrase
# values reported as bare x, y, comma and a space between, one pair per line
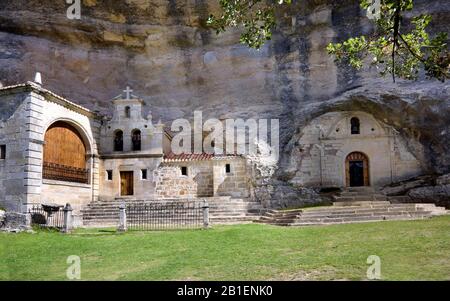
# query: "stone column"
68, 221
205, 208
122, 218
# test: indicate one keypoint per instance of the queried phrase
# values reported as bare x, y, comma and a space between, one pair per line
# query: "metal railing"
165, 216
47, 217
53, 171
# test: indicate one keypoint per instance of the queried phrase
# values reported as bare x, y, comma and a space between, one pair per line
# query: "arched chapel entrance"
65, 154
357, 170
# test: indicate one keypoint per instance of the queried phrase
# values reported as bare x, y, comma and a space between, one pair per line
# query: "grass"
409, 250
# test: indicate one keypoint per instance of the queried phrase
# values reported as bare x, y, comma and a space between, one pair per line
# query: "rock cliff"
164, 51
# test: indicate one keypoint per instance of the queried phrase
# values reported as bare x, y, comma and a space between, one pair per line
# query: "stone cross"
128, 92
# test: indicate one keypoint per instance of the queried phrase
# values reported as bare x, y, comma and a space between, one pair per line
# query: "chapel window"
136, 140
2, 152
118, 141
127, 112
355, 126
144, 174
184, 171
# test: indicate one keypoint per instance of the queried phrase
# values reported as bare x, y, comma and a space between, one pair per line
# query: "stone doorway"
126, 183
357, 170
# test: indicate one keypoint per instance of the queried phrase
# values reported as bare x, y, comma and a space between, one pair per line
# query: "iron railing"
164, 215
50, 217
53, 171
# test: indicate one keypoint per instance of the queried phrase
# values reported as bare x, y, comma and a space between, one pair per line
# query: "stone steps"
223, 210
352, 212
357, 219
364, 198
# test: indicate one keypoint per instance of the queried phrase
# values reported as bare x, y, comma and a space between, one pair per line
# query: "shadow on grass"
112, 231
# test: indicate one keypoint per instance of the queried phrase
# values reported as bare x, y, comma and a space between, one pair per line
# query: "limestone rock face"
2, 217
439, 194
164, 51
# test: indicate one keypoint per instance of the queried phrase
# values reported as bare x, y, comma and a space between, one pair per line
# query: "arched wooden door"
357, 170
64, 154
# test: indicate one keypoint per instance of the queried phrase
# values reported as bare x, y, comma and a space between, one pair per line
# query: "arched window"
127, 112
354, 124
118, 141
64, 154
136, 140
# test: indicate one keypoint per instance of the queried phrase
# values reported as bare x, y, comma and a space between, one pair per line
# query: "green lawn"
408, 250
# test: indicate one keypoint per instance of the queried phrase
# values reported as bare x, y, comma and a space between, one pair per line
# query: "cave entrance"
357, 170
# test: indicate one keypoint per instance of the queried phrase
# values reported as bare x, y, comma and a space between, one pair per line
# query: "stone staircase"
352, 206
223, 210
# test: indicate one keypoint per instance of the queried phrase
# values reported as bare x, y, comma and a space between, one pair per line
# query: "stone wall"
151, 135
89, 128
28, 111
14, 221
200, 173
326, 141
234, 183
170, 183
143, 188
19, 170
204, 179
76, 194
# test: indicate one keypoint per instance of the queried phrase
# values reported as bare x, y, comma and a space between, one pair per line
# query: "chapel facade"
55, 151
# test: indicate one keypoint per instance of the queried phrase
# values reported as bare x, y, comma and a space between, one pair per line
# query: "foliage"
256, 16
398, 46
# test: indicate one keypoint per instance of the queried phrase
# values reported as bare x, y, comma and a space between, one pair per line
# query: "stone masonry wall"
325, 143
26, 113
18, 171
171, 184
235, 183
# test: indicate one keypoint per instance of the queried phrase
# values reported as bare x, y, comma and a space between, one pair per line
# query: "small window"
127, 112
144, 174
184, 171
2, 152
354, 123
228, 168
109, 175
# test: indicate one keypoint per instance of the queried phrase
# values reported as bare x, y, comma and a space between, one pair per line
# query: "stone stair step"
360, 203
356, 211
222, 209
298, 224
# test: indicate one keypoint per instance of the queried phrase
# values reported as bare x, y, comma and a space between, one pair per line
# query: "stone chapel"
56, 151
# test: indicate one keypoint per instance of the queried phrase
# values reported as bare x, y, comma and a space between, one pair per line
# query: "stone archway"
357, 170
65, 154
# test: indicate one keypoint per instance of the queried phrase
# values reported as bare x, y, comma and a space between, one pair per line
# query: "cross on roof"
128, 92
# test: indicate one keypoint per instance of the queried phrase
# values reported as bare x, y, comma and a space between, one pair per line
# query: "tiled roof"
195, 157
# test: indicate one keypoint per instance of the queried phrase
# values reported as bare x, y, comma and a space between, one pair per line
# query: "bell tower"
128, 107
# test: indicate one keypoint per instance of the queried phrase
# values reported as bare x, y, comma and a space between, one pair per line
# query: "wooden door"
126, 183
64, 146
357, 170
